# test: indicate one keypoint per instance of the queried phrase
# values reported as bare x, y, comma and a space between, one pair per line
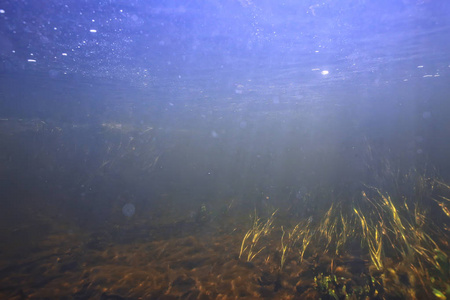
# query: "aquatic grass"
443, 202
334, 229
373, 237
408, 231
284, 249
406, 239
302, 234
327, 226
396, 233
343, 235
253, 235
307, 235
391, 223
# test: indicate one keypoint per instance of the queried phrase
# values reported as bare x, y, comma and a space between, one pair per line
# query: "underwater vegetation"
387, 240
378, 245
253, 235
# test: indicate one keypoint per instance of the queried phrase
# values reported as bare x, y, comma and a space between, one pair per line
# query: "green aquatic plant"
403, 231
443, 201
253, 235
443, 263
326, 285
306, 237
408, 254
327, 227
284, 249
334, 229
334, 287
441, 279
300, 234
345, 231
373, 238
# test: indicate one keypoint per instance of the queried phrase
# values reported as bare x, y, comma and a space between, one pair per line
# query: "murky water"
224, 150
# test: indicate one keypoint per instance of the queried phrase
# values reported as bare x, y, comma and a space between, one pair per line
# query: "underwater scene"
236, 149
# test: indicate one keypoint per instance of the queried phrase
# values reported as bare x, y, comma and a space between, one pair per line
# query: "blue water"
213, 100
112, 111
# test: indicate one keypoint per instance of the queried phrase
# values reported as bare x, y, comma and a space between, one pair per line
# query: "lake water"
224, 149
